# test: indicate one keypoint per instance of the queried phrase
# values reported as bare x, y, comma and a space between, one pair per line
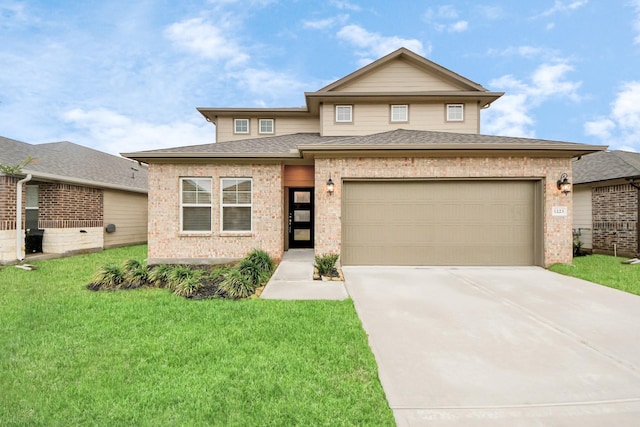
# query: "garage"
451, 222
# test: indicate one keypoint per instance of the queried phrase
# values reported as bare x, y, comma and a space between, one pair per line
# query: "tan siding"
283, 126
128, 211
439, 223
374, 118
582, 215
399, 76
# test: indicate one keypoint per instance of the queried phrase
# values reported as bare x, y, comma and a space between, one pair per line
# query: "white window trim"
235, 127
273, 126
196, 205
245, 205
406, 110
350, 107
449, 119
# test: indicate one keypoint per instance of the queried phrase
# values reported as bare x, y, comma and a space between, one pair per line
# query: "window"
399, 113
31, 207
195, 204
265, 125
241, 125
455, 112
236, 204
344, 113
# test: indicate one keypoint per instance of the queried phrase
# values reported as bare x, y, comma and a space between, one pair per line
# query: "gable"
400, 75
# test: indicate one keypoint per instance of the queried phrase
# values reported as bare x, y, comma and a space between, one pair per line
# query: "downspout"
19, 235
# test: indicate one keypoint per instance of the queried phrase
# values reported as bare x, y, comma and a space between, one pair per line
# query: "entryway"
300, 219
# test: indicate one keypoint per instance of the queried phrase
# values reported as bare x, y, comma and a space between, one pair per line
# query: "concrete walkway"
293, 280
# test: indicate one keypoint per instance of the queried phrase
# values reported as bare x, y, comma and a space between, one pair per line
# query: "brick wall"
68, 206
8, 202
557, 229
167, 242
615, 218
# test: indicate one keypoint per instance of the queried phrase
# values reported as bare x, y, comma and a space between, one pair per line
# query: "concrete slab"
293, 280
500, 346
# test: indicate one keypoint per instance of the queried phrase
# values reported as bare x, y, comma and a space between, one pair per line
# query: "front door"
301, 217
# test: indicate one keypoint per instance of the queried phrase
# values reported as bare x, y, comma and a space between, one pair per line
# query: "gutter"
19, 236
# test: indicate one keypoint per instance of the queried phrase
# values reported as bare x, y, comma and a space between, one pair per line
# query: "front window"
31, 207
236, 204
266, 126
195, 204
399, 113
344, 113
455, 112
241, 125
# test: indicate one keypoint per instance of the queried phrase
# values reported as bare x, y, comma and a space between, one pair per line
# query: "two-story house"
384, 166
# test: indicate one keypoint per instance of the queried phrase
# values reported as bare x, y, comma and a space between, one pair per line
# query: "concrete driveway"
500, 346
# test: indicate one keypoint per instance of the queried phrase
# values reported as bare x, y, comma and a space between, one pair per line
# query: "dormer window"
266, 126
241, 126
399, 113
344, 113
455, 112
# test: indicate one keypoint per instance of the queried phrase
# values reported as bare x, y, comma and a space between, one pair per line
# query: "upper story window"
399, 113
236, 204
266, 126
195, 204
455, 112
240, 125
344, 113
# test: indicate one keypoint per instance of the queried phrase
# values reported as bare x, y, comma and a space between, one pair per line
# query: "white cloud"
636, 20
459, 27
322, 24
512, 114
206, 40
114, 133
447, 13
524, 51
621, 128
271, 84
346, 5
375, 45
561, 6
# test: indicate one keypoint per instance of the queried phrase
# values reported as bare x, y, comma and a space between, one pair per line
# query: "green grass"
145, 357
605, 270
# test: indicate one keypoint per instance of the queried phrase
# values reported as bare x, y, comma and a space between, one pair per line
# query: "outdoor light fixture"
330, 186
564, 185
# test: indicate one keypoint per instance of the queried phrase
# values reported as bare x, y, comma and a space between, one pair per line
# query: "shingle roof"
399, 139
69, 162
606, 165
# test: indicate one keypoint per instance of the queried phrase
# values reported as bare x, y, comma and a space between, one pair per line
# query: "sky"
127, 75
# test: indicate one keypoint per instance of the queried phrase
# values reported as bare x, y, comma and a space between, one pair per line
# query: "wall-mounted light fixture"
564, 185
330, 186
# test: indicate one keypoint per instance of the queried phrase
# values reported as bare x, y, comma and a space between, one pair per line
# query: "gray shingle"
606, 165
75, 162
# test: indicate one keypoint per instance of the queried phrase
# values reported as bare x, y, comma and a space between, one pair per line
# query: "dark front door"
301, 217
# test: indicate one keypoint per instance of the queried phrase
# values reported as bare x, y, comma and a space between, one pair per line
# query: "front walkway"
293, 280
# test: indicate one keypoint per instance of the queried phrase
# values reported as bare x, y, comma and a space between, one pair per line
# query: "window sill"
236, 234
194, 234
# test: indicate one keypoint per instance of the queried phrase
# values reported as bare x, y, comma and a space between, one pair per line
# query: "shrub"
109, 276
178, 274
261, 260
159, 275
136, 274
325, 263
237, 285
188, 286
253, 272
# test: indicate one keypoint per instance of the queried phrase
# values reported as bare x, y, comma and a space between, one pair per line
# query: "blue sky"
126, 75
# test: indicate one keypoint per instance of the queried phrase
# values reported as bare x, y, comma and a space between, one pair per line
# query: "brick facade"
557, 229
615, 218
167, 242
68, 206
8, 202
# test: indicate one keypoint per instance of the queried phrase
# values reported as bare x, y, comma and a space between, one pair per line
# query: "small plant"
237, 285
261, 260
136, 273
326, 263
253, 272
177, 275
188, 286
159, 275
109, 276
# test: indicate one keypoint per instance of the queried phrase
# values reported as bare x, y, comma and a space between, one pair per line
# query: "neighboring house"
384, 166
606, 202
83, 199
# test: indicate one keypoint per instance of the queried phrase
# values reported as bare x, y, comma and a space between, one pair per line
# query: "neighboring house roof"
73, 163
606, 165
339, 91
299, 145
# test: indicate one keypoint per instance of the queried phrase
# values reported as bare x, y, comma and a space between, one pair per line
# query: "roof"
606, 165
297, 146
73, 163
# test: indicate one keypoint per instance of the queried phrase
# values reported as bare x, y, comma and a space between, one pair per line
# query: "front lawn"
605, 270
145, 357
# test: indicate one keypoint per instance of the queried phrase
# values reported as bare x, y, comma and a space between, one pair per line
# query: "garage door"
440, 223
